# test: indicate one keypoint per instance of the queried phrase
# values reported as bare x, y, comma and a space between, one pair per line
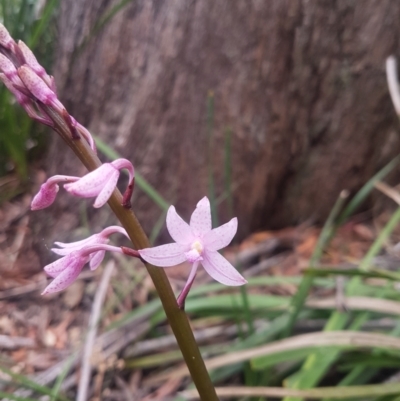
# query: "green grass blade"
366, 190
61, 377
26, 382
327, 232
43, 23
101, 23
10, 396
318, 363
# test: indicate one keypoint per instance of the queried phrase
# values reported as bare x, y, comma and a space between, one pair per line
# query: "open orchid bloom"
67, 269
96, 239
101, 182
48, 191
196, 243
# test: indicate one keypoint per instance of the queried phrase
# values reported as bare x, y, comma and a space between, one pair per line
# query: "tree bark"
300, 84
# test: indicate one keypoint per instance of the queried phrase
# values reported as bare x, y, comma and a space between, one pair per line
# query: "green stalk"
177, 318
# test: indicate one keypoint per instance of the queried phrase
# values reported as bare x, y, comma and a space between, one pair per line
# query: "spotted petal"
45, 197
221, 270
92, 183
221, 236
179, 230
107, 190
200, 221
64, 279
164, 255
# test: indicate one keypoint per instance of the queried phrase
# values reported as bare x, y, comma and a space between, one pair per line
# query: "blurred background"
270, 108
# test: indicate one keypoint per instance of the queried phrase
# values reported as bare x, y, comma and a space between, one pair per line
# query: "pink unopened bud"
8, 68
100, 182
24, 100
38, 88
32, 62
45, 197
48, 191
5, 39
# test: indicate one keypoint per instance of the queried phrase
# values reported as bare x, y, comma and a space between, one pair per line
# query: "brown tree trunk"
300, 84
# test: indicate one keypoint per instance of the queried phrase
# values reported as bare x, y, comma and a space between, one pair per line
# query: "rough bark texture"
301, 84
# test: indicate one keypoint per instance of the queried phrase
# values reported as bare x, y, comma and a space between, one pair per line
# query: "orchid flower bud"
8, 68
48, 191
39, 89
32, 62
5, 39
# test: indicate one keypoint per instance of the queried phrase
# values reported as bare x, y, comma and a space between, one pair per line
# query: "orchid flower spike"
101, 182
66, 270
96, 239
196, 243
48, 191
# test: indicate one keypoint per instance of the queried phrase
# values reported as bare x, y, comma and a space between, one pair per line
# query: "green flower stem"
177, 318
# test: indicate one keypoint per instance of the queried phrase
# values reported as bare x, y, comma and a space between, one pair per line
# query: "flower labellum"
196, 243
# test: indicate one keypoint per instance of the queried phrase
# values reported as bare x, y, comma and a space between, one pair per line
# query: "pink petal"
107, 190
5, 39
92, 183
220, 237
179, 230
221, 270
95, 238
67, 248
96, 259
200, 222
164, 255
31, 60
63, 280
63, 251
67, 262
45, 197
55, 268
38, 87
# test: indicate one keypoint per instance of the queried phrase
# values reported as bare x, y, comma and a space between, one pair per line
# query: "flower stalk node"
131, 252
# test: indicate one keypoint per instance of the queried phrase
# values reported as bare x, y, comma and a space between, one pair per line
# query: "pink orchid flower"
102, 182
96, 239
48, 191
67, 269
196, 243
